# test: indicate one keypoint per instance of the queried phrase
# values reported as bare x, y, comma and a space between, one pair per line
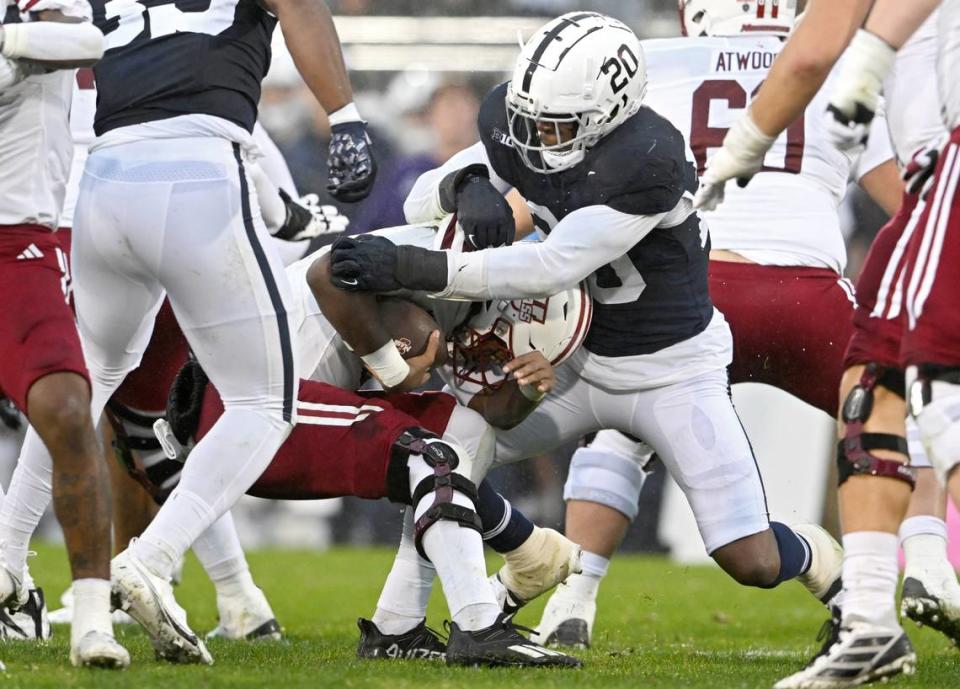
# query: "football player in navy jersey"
167, 207
610, 184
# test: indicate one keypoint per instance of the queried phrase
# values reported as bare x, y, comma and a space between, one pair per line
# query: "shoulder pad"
642, 165
494, 133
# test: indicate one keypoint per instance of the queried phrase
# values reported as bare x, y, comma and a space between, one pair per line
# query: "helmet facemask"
568, 151
478, 357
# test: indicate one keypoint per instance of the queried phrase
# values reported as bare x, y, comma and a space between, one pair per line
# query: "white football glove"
740, 157
857, 91
10, 73
308, 218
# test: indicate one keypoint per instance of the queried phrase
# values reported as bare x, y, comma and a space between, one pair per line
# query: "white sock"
870, 576
91, 608
222, 467
31, 489
924, 541
586, 584
219, 551
403, 602
457, 554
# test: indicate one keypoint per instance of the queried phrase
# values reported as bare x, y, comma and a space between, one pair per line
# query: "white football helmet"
499, 331
583, 69
733, 17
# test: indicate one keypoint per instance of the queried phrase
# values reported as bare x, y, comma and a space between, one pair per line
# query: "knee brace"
603, 473
450, 470
935, 404
853, 452
139, 452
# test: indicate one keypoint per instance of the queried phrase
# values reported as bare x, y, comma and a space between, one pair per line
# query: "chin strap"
853, 452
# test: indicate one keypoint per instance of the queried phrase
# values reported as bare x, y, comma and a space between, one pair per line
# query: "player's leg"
872, 458
602, 493
931, 345
242, 606
695, 431
61, 455
229, 297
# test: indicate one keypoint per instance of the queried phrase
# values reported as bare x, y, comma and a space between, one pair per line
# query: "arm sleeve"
581, 243
53, 42
423, 201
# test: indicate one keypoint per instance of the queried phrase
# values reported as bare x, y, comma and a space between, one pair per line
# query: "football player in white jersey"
776, 265
872, 429
43, 369
176, 106
610, 185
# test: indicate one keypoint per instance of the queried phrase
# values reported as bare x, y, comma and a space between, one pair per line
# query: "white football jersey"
35, 142
948, 62
788, 213
910, 89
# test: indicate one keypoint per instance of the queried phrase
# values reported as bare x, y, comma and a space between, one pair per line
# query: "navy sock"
504, 528
794, 553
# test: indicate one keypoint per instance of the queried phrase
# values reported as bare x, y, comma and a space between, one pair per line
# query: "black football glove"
10, 415
482, 211
351, 166
371, 263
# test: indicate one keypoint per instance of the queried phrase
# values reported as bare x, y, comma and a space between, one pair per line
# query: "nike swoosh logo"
350, 283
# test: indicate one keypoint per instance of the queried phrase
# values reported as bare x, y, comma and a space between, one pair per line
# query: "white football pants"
693, 428
180, 217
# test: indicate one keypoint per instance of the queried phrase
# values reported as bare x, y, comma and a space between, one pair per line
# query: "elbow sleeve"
52, 42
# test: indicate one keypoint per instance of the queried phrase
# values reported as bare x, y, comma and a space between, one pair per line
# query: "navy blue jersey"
657, 294
166, 58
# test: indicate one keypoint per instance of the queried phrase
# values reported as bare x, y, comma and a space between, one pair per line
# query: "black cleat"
928, 609
420, 643
501, 644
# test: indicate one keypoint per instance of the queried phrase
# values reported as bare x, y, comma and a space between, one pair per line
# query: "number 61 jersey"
787, 215
166, 58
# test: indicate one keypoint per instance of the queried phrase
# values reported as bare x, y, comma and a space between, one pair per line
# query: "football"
409, 325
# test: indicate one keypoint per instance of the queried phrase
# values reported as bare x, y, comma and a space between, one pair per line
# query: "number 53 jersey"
166, 58
788, 214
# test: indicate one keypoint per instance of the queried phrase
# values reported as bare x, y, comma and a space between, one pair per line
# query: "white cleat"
13, 594
99, 649
247, 617
541, 562
149, 600
931, 597
826, 562
855, 655
567, 620
30, 622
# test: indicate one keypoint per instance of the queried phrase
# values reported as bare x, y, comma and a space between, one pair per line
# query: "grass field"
660, 625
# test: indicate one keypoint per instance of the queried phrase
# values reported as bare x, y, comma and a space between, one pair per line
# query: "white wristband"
348, 113
531, 392
14, 41
387, 365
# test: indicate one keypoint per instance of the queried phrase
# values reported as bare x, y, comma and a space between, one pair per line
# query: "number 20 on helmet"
581, 76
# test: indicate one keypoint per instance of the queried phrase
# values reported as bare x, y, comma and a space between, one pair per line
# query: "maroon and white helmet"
733, 17
501, 330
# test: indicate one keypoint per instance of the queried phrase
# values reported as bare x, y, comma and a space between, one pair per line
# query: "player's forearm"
314, 45
52, 44
884, 186
805, 61
423, 203
894, 21
505, 407
355, 315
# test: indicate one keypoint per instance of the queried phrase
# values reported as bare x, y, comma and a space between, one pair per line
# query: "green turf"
660, 625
